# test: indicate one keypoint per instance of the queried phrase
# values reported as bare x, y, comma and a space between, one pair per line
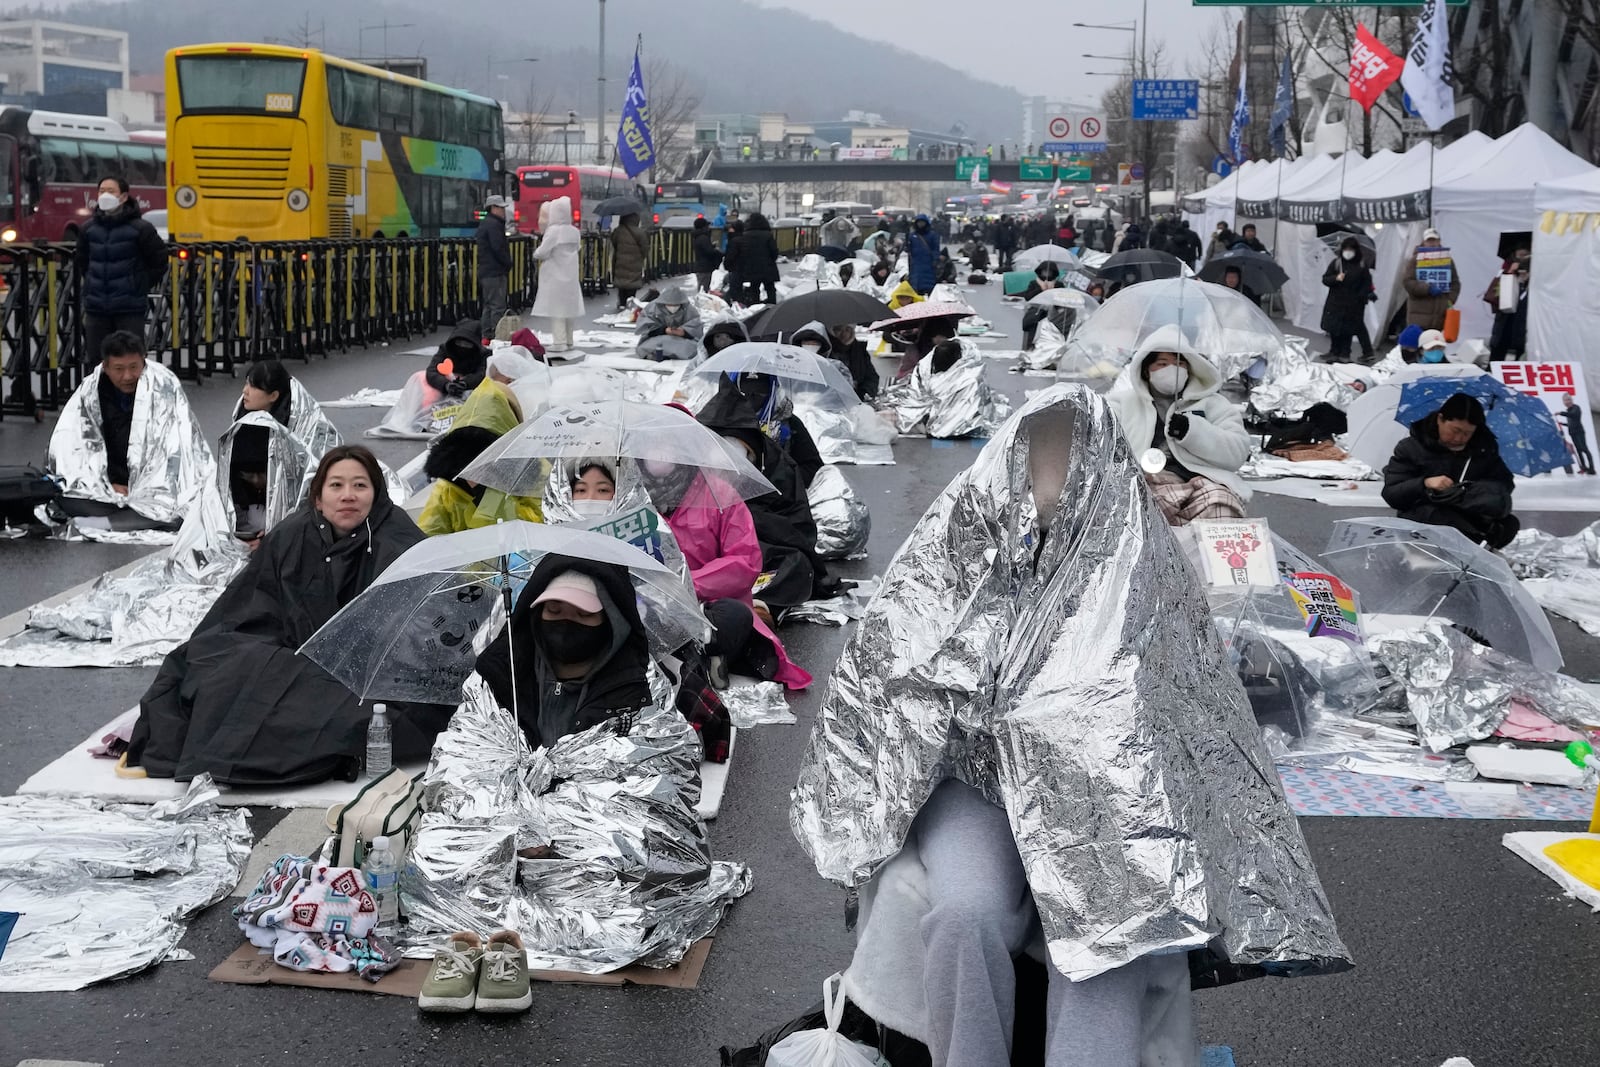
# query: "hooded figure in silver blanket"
168, 457
946, 396
1035, 727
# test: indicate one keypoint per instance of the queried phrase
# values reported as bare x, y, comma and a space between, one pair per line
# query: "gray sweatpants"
981, 916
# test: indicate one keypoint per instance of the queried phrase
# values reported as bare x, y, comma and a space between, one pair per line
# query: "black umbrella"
1147, 263
618, 205
1259, 272
1369, 249
1513, 240
831, 307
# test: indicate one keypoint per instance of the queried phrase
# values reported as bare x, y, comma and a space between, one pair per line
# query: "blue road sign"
1072, 148
1166, 99
1221, 167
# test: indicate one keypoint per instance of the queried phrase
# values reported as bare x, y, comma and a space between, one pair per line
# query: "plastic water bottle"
382, 871
380, 743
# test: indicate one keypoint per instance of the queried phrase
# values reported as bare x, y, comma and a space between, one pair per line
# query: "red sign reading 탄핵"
1373, 68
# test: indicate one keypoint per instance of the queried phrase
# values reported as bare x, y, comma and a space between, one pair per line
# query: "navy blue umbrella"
1529, 441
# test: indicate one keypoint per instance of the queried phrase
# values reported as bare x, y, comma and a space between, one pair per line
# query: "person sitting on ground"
839, 344
457, 366
581, 656
723, 555
236, 701
766, 400
455, 503
784, 525
1046, 276
1178, 423
127, 447
1031, 731
945, 269
724, 335
669, 327
1448, 472
921, 337
1432, 345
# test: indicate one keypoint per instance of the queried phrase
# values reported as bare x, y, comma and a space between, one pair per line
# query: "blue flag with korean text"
1282, 107
636, 149
1241, 117
8, 922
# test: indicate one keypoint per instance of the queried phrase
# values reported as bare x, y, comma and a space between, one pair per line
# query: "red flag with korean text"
1373, 68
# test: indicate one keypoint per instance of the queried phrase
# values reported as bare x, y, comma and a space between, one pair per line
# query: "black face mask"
565, 641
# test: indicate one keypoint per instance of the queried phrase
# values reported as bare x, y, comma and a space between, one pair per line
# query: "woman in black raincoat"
235, 701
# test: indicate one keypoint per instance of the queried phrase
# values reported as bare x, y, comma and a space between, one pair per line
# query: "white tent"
1260, 186
1491, 194
1298, 250
1563, 316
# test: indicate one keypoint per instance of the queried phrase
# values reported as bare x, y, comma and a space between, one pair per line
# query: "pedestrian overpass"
863, 171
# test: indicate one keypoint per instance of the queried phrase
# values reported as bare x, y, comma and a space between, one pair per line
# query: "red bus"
51, 165
587, 186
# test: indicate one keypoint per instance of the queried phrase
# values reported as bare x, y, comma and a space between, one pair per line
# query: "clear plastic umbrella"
804, 374
1407, 568
411, 634
1030, 258
665, 440
1222, 325
1073, 299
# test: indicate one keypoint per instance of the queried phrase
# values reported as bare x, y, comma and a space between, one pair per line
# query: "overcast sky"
1032, 46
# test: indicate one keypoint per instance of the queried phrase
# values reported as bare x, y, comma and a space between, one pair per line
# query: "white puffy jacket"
1216, 444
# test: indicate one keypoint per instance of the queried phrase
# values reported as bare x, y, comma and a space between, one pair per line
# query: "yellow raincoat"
450, 509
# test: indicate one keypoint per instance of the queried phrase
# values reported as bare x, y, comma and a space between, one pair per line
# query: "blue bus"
709, 200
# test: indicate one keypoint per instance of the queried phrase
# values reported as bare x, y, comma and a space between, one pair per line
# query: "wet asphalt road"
1462, 949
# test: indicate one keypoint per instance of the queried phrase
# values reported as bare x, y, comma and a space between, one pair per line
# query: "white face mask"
591, 509
811, 346
1348, 254
1168, 381
109, 201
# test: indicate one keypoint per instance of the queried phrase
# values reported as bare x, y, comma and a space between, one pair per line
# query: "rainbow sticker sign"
1328, 605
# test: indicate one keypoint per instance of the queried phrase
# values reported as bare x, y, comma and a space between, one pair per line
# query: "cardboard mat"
76, 773
1346, 793
252, 966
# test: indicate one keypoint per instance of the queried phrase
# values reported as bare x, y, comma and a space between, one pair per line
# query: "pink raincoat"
724, 557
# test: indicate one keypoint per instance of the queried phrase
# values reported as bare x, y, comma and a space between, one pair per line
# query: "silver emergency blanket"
107, 890
1049, 345
1264, 466
135, 619
1562, 573
757, 704
855, 434
1459, 691
632, 880
414, 417
1081, 685
1291, 382
957, 403
169, 459
843, 522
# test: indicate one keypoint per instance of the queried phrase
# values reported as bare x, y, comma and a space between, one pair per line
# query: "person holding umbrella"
581, 655
1448, 472
1349, 285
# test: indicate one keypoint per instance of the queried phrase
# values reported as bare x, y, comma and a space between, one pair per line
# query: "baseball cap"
572, 587
1430, 339
496, 201
1430, 235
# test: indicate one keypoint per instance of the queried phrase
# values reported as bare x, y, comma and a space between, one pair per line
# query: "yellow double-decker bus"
283, 144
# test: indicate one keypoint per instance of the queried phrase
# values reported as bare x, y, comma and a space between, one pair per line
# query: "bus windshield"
241, 84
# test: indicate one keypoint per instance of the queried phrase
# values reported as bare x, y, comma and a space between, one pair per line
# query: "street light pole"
600, 109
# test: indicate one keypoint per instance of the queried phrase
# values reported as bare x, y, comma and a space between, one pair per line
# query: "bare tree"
527, 139
673, 103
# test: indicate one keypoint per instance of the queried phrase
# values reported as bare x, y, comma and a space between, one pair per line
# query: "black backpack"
23, 488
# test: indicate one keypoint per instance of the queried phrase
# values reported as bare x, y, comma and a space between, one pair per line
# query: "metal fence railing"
222, 305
